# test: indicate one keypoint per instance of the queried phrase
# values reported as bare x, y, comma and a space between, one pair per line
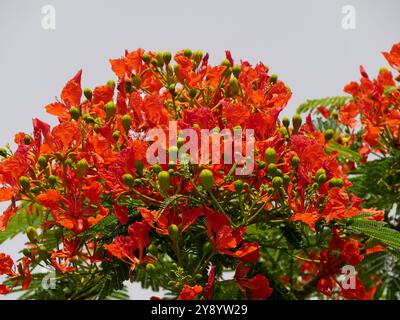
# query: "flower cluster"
92, 200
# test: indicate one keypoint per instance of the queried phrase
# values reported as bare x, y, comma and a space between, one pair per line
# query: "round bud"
171, 88
173, 232
116, 135
176, 69
319, 172
335, 182
52, 180
295, 161
286, 122
273, 78
167, 57
126, 121
234, 86
261, 165
197, 56
81, 168
270, 155
68, 162
154, 63
128, 180
246, 186
328, 134
208, 247
270, 191
160, 59
42, 161
110, 109
321, 178
151, 268
32, 234
277, 182
25, 182
187, 53
146, 57
225, 63
87, 92
136, 81
236, 71
74, 112
296, 120
238, 184
335, 115
284, 132
206, 179
27, 139
272, 169
153, 249
156, 168
164, 180
111, 83
279, 172
128, 86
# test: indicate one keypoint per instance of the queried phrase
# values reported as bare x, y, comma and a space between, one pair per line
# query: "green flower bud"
187, 53
176, 69
286, 122
270, 155
225, 63
328, 134
74, 112
286, 178
136, 81
111, 83
284, 132
68, 162
246, 186
128, 86
146, 57
319, 172
270, 191
110, 109
42, 161
192, 93
321, 178
173, 232
156, 168
171, 88
335, 115
295, 161
234, 86
261, 165
279, 172
27, 139
208, 247
236, 71
150, 268
238, 184
81, 167
88, 93
164, 180
336, 182
116, 135
272, 168
53, 180
25, 182
153, 249
126, 121
206, 179
167, 56
32, 234
197, 56
160, 59
128, 180
277, 182
297, 120
273, 78
3, 152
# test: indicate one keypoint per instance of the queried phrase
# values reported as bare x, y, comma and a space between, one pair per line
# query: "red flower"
258, 286
190, 293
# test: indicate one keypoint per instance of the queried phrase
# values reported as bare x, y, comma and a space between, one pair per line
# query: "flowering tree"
97, 210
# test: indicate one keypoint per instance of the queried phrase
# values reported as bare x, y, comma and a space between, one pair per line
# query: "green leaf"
345, 153
331, 103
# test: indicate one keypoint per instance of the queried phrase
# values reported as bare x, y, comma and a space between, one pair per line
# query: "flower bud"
136, 81
225, 63
87, 92
151, 268
335, 182
52, 180
164, 180
277, 182
192, 93
146, 57
173, 232
81, 167
319, 172
111, 83
153, 249
74, 112
3, 152
238, 184
197, 56
236, 71
139, 167
286, 179
42, 161
25, 182
32, 234
270, 155
321, 178
284, 132
295, 161
328, 134
233, 86
206, 179
110, 109
286, 122
160, 59
167, 57
156, 168
187, 53
126, 121
297, 120
116, 135
208, 247
273, 78
272, 169
128, 180
261, 165
27, 139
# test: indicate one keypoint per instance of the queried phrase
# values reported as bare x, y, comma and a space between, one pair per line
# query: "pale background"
302, 41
